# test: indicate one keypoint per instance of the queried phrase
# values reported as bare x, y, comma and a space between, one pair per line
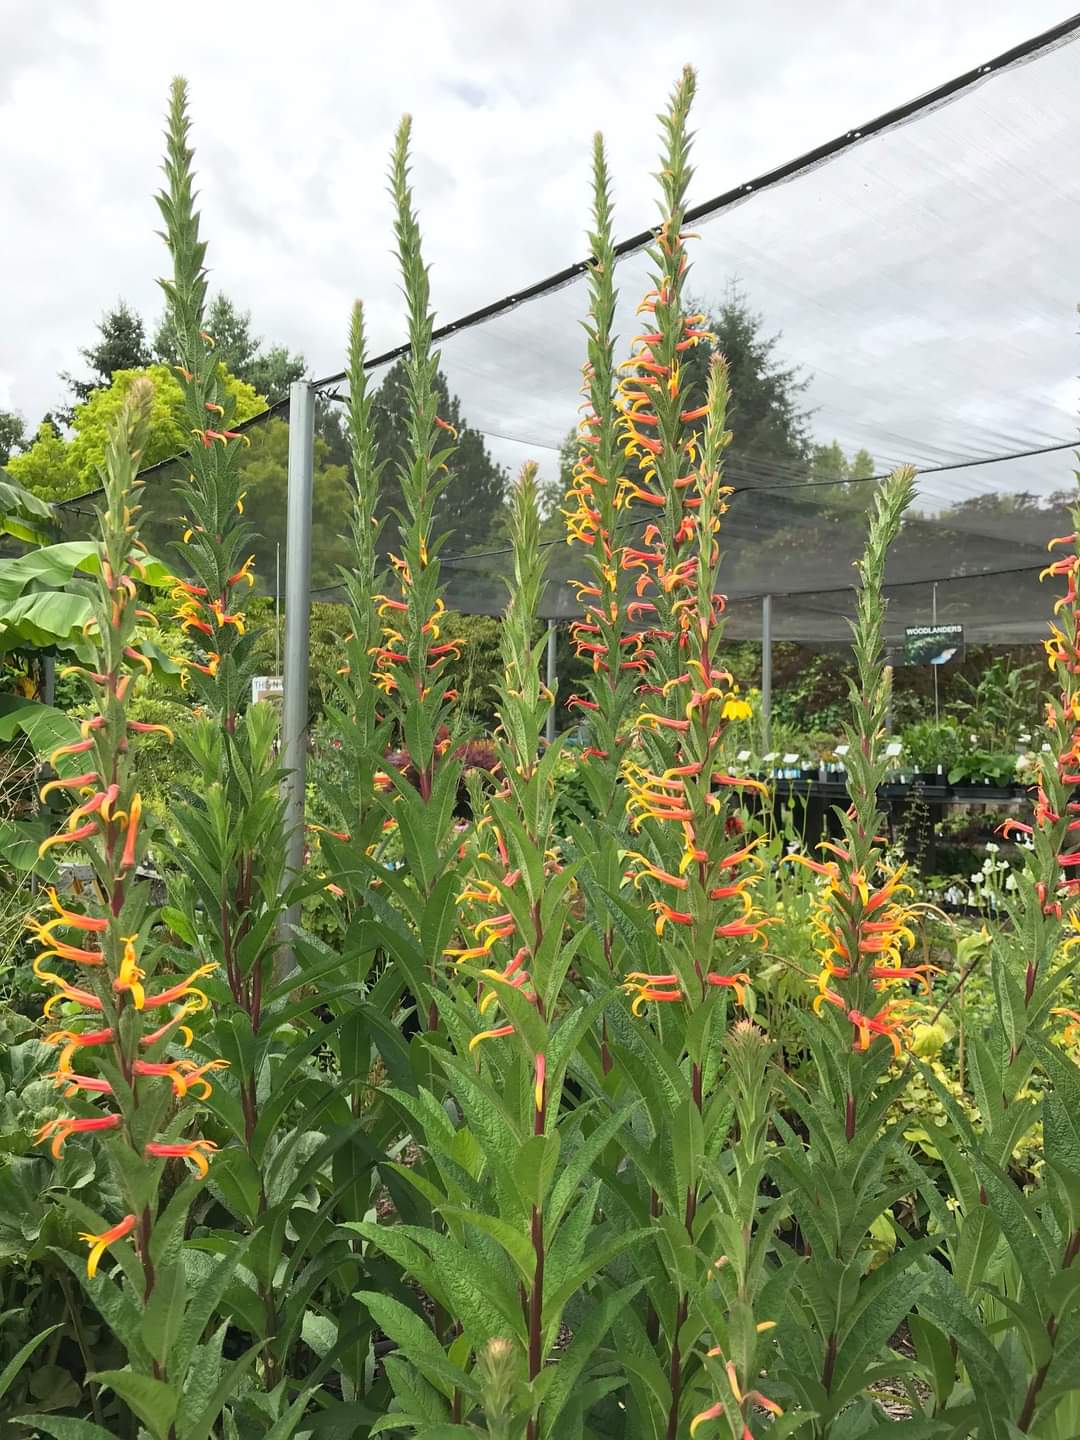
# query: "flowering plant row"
556, 1139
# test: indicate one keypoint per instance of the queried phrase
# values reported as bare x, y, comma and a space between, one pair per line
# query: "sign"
933, 644
267, 687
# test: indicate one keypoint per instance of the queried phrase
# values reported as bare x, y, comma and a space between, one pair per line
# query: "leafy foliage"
54, 468
578, 1105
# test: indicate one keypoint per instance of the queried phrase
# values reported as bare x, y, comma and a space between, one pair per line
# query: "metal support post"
297, 625
934, 668
552, 677
766, 671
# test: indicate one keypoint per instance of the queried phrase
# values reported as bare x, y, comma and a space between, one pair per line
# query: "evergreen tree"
836, 478
771, 438
121, 345
12, 434
471, 505
270, 372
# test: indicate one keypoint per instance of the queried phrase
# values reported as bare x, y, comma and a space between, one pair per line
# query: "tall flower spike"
409, 661
524, 894
239, 775
216, 554
698, 863
603, 637
861, 917
496, 894
659, 420
116, 972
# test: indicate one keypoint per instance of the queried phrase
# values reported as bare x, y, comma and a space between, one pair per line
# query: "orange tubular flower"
90, 1083
69, 920
100, 1243
142, 727
72, 1040
74, 782
737, 983
57, 948
72, 837
59, 1130
130, 977
539, 1081
128, 857
651, 989
183, 990
84, 998
497, 1034
888, 1022
243, 574
195, 1151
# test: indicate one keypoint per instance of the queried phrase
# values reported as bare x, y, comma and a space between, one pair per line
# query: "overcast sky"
295, 105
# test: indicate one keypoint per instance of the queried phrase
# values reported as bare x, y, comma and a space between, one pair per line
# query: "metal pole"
277, 608
297, 625
48, 680
766, 670
933, 621
552, 678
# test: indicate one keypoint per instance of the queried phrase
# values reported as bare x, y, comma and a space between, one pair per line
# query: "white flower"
988, 866
976, 879
1010, 881
991, 848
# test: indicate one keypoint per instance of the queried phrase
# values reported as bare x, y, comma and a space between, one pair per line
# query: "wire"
1059, 34
1056, 35
806, 485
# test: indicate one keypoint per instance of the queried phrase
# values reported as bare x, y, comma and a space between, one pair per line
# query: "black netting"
922, 282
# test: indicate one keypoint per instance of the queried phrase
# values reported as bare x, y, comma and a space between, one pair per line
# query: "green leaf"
535, 1166
54, 566
556, 1384
164, 1313
43, 725
935, 1355
15, 1364
63, 1427
152, 1400
205, 1298
416, 1341
512, 1241
201, 1427
286, 1424
116, 1307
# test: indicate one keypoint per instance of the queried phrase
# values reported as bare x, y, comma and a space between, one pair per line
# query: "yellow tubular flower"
100, 1243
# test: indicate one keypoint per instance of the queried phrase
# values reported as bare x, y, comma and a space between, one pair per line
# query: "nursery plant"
592, 1108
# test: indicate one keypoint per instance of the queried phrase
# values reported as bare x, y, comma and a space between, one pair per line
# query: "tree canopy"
121, 345
12, 434
56, 468
471, 504
268, 371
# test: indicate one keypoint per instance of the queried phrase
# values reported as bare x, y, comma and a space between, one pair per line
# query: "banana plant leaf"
23, 515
